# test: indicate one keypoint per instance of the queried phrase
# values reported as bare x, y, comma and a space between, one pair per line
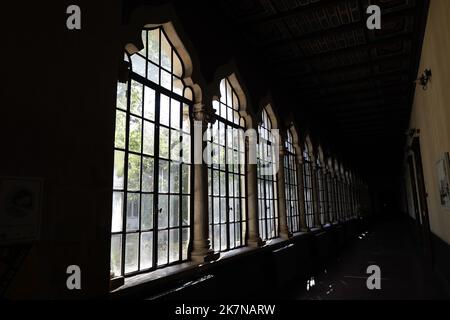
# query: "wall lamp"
424, 79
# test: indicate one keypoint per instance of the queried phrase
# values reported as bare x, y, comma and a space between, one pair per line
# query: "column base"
255, 243
206, 256
286, 235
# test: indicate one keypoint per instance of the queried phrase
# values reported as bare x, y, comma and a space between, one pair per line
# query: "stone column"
282, 212
301, 194
315, 195
201, 248
253, 239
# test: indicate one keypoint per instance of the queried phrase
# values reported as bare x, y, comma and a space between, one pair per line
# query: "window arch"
226, 172
291, 184
267, 179
152, 160
308, 186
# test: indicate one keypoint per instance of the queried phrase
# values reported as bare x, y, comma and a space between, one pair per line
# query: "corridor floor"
389, 245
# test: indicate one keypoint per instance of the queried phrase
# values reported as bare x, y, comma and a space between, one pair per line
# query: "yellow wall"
431, 109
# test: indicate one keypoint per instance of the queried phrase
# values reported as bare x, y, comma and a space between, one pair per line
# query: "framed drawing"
20, 209
443, 170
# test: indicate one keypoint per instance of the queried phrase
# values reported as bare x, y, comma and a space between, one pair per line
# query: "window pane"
153, 73
133, 205
119, 162
166, 53
174, 249
186, 179
147, 211
119, 140
136, 98
138, 63
163, 176
175, 114
122, 96
185, 245
116, 225
153, 45
175, 145
163, 212
164, 143
186, 148
185, 210
131, 253
164, 110
146, 250
186, 119
177, 66
135, 134
166, 80
178, 86
162, 247
134, 172
116, 254
149, 104
147, 174
174, 211
148, 142
174, 177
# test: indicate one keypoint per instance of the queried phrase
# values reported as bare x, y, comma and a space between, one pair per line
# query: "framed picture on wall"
443, 168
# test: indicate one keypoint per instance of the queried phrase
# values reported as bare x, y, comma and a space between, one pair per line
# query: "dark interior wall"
57, 123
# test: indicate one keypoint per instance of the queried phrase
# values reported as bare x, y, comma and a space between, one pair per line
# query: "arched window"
291, 184
152, 160
267, 180
321, 190
308, 186
226, 172
330, 192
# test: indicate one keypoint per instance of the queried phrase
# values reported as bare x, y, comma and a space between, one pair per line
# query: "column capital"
204, 113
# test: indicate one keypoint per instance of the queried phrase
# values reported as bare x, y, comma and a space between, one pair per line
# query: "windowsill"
154, 277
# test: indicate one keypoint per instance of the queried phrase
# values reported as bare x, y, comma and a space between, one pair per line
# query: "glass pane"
134, 172
174, 177
186, 180
136, 98
153, 45
153, 73
175, 145
149, 104
166, 53
174, 211
185, 211
135, 134
131, 253
164, 143
148, 142
146, 250
122, 96
186, 119
166, 80
147, 174
133, 205
163, 180
178, 86
174, 249
164, 110
116, 254
147, 211
186, 146
177, 66
138, 63
175, 114
223, 237
116, 224
163, 212
144, 42
119, 162
185, 245
188, 94
119, 140
162, 247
